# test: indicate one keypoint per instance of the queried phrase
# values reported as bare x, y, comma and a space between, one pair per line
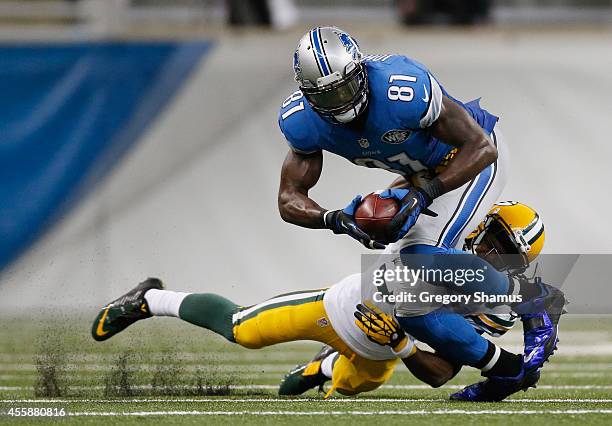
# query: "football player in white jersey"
359, 355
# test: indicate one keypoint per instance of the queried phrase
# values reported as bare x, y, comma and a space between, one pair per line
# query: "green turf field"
164, 370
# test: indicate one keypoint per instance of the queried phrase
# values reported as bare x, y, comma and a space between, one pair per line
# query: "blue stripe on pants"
469, 208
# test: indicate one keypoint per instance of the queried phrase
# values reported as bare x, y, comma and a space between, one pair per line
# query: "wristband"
407, 351
325, 218
433, 189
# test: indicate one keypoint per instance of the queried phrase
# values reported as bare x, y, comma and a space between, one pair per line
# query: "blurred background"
139, 138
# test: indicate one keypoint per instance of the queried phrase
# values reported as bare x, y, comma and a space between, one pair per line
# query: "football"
374, 214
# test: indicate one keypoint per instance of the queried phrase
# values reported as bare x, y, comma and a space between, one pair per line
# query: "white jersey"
341, 299
340, 303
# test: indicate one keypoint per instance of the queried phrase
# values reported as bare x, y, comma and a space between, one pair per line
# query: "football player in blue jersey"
390, 112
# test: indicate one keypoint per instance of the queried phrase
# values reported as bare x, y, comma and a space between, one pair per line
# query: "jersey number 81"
401, 93
295, 96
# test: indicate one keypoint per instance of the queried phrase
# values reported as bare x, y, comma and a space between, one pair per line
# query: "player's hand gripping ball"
343, 222
412, 202
374, 214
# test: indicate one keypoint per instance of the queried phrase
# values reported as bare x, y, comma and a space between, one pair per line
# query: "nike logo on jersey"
426, 98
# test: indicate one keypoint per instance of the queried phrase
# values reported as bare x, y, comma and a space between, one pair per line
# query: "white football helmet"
327, 65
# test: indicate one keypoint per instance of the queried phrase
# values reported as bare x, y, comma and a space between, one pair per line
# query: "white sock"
164, 303
327, 364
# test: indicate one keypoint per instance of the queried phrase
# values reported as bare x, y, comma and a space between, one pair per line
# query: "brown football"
374, 214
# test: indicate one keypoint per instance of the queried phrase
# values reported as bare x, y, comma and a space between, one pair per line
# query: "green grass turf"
159, 364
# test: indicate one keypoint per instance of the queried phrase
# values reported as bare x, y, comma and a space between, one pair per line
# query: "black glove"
413, 202
343, 222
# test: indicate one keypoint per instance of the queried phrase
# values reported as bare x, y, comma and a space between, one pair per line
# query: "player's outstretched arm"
475, 151
298, 174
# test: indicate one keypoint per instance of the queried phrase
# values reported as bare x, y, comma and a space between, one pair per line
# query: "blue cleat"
550, 300
540, 317
495, 389
540, 340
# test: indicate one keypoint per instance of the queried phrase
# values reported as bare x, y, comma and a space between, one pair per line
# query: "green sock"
210, 311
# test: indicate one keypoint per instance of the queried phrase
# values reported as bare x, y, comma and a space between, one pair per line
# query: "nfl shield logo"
395, 137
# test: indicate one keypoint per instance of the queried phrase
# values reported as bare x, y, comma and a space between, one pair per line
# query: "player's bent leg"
350, 374
452, 336
309, 375
286, 318
455, 338
354, 375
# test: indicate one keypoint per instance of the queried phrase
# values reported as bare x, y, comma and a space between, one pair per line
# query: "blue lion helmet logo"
350, 45
296, 66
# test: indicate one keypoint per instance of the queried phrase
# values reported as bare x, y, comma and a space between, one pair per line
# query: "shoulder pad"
414, 93
295, 122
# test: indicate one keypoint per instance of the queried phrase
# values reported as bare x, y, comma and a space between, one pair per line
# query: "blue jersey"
404, 100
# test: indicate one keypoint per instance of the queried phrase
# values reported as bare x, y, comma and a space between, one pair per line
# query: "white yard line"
272, 387
285, 400
253, 376
80, 381
226, 367
332, 413
553, 387
28, 368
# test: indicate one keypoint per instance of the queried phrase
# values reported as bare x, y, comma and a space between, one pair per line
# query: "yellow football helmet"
510, 236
